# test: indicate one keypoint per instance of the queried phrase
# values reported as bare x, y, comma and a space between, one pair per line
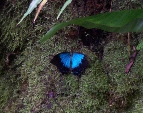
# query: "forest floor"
29, 83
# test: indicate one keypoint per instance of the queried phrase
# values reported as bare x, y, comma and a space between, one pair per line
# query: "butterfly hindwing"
57, 61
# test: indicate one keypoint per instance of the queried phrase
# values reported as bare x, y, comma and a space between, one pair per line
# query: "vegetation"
29, 83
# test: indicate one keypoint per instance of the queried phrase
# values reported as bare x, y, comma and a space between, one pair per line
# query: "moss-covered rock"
31, 84
123, 87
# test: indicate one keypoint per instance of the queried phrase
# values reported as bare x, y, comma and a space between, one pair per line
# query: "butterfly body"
70, 62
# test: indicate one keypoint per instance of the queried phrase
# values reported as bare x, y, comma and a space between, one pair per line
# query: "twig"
132, 59
51, 95
129, 45
111, 7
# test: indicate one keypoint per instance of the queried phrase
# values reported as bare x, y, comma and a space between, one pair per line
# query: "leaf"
32, 5
53, 30
39, 9
63, 8
118, 21
140, 46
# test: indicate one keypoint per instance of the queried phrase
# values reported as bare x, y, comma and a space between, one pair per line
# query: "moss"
32, 64
137, 101
13, 41
44, 78
126, 4
12, 37
94, 90
123, 87
32, 84
9, 87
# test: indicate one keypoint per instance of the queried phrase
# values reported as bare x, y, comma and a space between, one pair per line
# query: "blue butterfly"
70, 62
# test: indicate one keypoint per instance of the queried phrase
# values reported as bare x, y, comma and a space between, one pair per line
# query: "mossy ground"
31, 84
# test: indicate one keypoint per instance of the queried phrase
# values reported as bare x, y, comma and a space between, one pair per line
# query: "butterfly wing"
79, 63
62, 61
76, 62
65, 59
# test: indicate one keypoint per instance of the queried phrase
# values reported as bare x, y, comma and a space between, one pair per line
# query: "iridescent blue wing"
76, 59
62, 61
65, 59
66, 62
79, 63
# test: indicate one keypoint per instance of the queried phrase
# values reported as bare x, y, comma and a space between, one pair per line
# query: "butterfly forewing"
58, 61
65, 59
76, 59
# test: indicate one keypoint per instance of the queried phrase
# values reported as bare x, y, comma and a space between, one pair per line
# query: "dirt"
92, 38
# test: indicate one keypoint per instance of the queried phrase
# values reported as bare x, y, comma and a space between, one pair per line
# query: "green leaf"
118, 21
140, 46
63, 8
32, 5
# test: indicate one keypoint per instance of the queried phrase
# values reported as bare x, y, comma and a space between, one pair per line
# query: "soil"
93, 38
